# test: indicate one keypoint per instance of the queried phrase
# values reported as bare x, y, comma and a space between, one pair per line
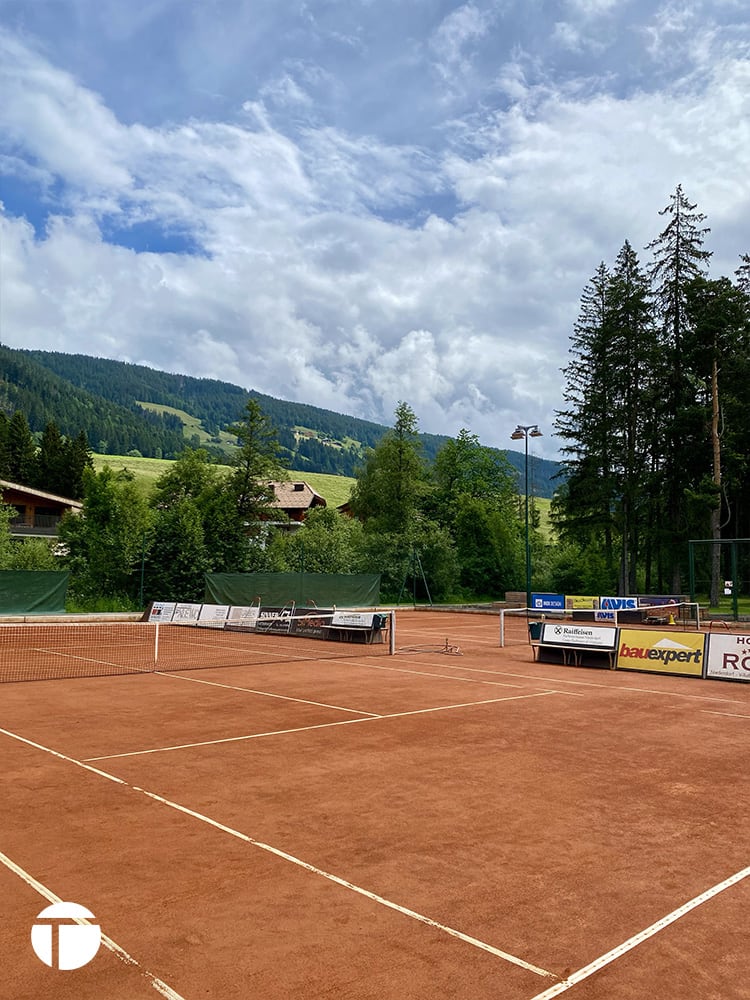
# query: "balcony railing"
44, 525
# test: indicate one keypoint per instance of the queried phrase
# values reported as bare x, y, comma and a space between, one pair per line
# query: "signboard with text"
548, 602
662, 652
728, 657
563, 634
618, 603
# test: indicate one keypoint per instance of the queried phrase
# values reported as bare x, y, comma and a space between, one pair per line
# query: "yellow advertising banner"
579, 603
665, 652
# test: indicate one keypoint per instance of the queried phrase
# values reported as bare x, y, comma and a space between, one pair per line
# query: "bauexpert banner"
664, 652
728, 657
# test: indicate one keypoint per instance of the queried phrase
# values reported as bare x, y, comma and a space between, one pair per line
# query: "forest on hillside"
103, 399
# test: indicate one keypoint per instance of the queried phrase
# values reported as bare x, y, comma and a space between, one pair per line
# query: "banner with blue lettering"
618, 603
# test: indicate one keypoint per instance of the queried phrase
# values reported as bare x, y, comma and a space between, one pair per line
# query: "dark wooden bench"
573, 654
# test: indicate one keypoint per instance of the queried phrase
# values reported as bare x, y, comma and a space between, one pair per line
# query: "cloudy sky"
355, 202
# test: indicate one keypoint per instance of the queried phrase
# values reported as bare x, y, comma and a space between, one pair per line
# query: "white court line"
86, 659
159, 985
322, 725
62, 756
405, 911
266, 694
471, 704
728, 715
633, 942
231, 739
563, 680
428, 673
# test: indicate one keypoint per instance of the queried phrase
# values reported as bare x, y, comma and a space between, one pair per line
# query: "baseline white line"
266, 694
644, 935
405, 911
513, 959
158, 984
728, 715
322, 725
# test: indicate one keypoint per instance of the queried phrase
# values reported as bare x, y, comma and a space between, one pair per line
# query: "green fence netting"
32, 592
324, 590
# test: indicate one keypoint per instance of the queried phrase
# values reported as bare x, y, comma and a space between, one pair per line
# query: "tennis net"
46, 651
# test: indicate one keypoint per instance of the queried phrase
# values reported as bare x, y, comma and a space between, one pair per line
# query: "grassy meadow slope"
335, 489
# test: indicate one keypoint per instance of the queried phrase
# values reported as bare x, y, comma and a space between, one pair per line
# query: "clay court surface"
425, 825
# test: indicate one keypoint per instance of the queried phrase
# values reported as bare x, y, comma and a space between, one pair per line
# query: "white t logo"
66, 940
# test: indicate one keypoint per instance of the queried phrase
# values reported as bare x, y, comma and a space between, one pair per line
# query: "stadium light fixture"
526, 431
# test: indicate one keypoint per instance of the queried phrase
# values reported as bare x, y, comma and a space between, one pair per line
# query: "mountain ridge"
125, 408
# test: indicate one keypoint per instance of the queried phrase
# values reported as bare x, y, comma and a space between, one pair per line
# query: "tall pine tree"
678, 259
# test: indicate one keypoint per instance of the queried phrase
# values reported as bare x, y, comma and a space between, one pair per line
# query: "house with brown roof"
295, 499
38, 513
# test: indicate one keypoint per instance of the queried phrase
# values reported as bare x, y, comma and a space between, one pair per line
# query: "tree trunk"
716, 512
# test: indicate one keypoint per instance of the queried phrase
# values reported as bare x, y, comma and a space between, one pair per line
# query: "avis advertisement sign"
618, 603
665, 653
728, 657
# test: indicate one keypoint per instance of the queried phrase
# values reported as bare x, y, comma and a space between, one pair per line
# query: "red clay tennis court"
452, 821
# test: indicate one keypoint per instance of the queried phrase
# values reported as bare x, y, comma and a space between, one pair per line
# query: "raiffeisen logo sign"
65, 939
673, 653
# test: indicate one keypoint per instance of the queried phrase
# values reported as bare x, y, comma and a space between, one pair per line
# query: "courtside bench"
573, 645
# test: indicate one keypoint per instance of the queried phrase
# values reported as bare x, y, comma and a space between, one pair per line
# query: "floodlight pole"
524, 431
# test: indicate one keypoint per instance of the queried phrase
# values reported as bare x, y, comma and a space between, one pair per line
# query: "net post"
392, 636
156, 645
502, 626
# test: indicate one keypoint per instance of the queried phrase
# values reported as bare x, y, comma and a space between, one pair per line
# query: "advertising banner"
728, 657
354, 619
579, 635
580, 602
213, 615
548, 602
186, 614
605, 616
242, 617
665, 653
618, 603
161, 611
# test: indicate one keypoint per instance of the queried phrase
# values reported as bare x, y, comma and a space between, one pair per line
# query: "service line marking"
565, 680
429, 673
119, 952
313, 869
644, 935
727, 715
322, 725
265, 694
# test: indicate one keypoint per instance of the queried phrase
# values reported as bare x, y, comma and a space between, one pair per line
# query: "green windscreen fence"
357, 590
32, 592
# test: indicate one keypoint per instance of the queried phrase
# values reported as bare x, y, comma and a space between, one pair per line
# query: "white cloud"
345, 270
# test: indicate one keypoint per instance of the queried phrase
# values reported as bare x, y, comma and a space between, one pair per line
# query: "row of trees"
658, 414
447, 528
55, 465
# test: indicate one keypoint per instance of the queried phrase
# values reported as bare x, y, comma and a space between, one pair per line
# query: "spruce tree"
51, 465
584, 506
678, 259
21, 451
